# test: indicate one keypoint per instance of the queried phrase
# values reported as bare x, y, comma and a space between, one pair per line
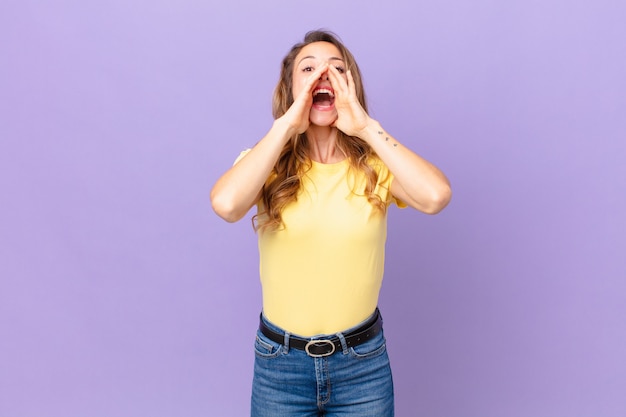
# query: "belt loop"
286, 343
344, 345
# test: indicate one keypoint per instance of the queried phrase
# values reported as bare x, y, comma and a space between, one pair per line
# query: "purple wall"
122, 294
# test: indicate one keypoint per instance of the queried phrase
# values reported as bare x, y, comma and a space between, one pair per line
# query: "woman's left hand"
351, 117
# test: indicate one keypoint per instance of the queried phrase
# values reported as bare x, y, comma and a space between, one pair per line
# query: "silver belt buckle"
319, 343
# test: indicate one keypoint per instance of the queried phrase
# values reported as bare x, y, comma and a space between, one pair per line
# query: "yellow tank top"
322, 272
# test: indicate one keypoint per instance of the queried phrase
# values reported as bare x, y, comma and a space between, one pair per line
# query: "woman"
322, 179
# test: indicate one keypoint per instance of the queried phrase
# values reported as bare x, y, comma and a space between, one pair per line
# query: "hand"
297, 116
351, 117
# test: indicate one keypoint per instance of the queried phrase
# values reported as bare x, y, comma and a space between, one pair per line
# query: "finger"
336, 79
340, 92
351, 85
305, 94
312, 80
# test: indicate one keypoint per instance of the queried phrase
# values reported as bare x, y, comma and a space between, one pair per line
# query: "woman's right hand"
297, 116
240, 187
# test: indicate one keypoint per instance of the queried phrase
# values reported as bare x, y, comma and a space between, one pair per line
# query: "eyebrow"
332, 58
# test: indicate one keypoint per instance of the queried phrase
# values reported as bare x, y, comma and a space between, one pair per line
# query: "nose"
324, 77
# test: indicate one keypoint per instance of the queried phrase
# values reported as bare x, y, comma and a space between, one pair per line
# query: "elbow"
225, 208
229, 216
439, 200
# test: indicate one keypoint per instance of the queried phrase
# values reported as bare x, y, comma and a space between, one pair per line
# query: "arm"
417, 182
235, 192
240, 187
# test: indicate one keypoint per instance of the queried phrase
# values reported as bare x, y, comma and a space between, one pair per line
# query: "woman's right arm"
234, 194
240, 187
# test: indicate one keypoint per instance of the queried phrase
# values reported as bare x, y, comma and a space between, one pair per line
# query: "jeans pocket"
266, 348
373, 347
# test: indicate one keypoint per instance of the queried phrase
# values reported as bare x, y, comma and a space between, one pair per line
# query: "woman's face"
323, 111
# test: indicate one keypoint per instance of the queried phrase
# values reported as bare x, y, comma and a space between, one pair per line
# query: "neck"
323, 144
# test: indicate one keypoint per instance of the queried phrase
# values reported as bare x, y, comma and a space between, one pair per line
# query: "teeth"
323, 90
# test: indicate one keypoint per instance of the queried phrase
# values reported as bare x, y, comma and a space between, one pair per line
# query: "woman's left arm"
416, 181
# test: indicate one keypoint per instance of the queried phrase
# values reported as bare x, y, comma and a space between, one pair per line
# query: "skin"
417, 182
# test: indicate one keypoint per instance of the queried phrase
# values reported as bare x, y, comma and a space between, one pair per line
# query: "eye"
308, 69
341, 70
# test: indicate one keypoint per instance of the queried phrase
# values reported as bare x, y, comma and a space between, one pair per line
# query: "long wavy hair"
293, 162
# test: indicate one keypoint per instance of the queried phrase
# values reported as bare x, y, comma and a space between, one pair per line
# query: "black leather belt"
325, 347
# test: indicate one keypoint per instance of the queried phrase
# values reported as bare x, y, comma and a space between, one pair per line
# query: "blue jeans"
354, 382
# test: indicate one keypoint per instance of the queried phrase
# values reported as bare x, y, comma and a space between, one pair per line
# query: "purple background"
123, 295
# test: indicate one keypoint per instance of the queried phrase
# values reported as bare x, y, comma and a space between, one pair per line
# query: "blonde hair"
284, 183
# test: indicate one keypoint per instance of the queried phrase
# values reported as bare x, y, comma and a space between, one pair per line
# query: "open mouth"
323, 97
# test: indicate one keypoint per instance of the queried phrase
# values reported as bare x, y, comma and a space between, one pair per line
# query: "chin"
323, 118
